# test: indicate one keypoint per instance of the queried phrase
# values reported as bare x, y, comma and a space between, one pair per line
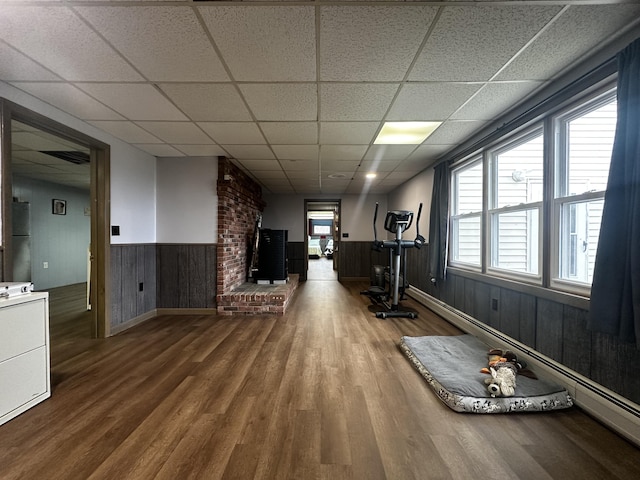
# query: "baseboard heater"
615, 411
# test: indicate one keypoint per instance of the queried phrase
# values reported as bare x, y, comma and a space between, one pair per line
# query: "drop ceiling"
295, 92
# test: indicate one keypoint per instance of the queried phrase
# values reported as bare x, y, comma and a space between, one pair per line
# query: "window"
584, 141
557, 167
515, 206
466, 227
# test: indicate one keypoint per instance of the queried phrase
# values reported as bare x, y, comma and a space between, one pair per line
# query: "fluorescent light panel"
405, 133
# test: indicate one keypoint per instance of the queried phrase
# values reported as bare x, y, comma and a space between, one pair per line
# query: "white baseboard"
615, 411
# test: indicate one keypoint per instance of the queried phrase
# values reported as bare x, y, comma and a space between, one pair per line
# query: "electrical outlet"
141, 287
45, 264
494, 304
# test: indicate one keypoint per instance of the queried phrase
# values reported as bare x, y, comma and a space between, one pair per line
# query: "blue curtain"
615, 293
439, 224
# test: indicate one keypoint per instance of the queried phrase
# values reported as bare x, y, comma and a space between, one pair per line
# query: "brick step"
255, 299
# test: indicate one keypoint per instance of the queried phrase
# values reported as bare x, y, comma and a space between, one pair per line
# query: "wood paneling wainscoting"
154, 276
131, 266
186, 275
356, 259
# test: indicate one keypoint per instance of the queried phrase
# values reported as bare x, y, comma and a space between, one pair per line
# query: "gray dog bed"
451, 366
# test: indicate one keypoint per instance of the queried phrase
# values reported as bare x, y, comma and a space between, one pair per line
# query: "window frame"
510, 143
559, 196
469, 163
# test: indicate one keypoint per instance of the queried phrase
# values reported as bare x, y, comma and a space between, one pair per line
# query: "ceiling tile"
177, 132
36, 140
309, 174
266, 44
262, 166
265, 178
453, 132
283, 101
398, 175
371, 43
53, 32
282, 190
16, 66
341, 133
310, 166
389, 152
69, 99
201, 150
252, 152
427, 153
159, 150
494, 99
430, 101
207, 102
576, 33
340, 102
339, 166
134, 101
378, 166
166, 43
453, 53
234, 133
342, 152
296, 152
126, 131
290, 133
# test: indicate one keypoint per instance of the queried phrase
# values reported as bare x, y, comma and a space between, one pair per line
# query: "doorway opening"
322, 239
58, 178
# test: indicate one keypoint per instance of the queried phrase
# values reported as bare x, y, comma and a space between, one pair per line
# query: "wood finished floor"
322, 392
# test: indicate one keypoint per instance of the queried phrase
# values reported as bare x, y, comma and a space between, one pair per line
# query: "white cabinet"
24, 353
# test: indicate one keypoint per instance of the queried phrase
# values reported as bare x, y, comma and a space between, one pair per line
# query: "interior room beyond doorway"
322, 225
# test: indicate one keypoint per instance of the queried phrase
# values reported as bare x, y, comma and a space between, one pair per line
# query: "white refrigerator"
21, 241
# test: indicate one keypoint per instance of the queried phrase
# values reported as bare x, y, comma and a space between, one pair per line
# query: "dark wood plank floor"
322, 392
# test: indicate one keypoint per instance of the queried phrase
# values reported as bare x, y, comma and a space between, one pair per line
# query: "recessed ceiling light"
405, 133
336, 175
371, 175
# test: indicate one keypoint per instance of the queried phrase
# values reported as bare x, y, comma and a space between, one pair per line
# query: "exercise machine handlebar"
420, 240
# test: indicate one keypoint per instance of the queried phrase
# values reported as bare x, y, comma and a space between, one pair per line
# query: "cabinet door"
23, 379
22, 328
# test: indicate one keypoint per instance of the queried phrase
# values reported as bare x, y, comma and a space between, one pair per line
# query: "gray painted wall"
60, 240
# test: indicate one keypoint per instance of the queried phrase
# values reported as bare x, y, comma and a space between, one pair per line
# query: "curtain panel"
615, 292
439, 224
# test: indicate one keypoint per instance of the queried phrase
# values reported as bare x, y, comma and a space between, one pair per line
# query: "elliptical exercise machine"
397, 222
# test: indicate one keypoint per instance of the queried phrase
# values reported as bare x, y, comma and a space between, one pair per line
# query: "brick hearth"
254, 299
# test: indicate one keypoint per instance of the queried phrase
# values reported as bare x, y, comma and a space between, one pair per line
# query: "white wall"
133, 195
187, 200
409, 196
133, 173
286, 212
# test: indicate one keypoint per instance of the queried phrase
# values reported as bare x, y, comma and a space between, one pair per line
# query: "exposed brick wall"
239, 202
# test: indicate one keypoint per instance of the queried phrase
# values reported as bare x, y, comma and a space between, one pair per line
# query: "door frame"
100, 198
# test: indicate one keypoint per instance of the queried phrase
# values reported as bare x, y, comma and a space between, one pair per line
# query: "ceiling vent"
79, 158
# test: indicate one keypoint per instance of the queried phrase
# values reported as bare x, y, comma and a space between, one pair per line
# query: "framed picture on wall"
58, 207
